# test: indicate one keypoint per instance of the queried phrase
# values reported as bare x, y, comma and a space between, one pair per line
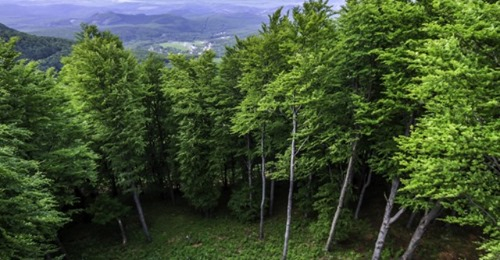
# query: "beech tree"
189, 84
452, 156
159, 126
30, 214
105, 83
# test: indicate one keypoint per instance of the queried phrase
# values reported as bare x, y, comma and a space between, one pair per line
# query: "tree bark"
362, 195
122, 231
410, 221
343, 191
290, 189
141, 215
263, 176
419, 232
386, 222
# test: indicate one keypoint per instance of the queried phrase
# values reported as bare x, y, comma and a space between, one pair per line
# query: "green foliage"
160, 124
29, 218
413, 84
105, 85
326, 200
190, 85
240, 204
450, 156
106, 209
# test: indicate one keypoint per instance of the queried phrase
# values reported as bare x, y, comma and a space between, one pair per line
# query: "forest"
47, 51
318, 106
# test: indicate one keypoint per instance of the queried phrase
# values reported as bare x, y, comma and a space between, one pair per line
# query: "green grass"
181, 46
179, 233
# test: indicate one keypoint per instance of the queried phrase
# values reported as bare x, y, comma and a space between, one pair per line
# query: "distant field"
182, 46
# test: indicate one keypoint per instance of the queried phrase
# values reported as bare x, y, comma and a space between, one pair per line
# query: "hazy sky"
100, 2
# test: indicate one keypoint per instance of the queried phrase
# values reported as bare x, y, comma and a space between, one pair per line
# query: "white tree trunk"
122, 231
362, 195
386, 222
141, 215
419, 232
290, 189
347, 181
410, 221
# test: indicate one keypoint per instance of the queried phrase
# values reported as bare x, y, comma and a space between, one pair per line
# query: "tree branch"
396, 216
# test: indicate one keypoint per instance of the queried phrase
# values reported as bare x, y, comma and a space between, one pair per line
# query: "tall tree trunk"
271, 198
347, 181
410, 221
122, 231
263, 176
290, 189
249, 168
419, 232
362, 195
386, 222
141, 215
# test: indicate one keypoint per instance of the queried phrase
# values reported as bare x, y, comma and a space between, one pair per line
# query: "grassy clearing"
181, 46
180, 233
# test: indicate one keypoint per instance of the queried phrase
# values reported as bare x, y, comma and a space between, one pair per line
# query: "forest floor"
180, 233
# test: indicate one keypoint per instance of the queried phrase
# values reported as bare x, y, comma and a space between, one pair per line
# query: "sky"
101, 2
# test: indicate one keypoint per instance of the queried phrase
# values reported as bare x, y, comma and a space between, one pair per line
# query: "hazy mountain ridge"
173, 27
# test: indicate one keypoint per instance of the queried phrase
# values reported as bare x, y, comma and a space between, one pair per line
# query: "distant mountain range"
165, 27
46, 50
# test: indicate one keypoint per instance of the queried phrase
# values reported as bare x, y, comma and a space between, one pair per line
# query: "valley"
179, 27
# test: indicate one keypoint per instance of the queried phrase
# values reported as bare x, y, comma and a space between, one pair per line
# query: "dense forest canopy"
317, 101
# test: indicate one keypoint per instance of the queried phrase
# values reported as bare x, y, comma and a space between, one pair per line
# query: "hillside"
46, 50
160, 27
169, 32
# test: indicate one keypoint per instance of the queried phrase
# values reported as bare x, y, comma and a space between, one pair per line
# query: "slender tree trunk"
347, 180
141, 215
122, 231
249, 168
271, 198
362, 195
410, 221
290, 189
386, 222
263, 176
419, 232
